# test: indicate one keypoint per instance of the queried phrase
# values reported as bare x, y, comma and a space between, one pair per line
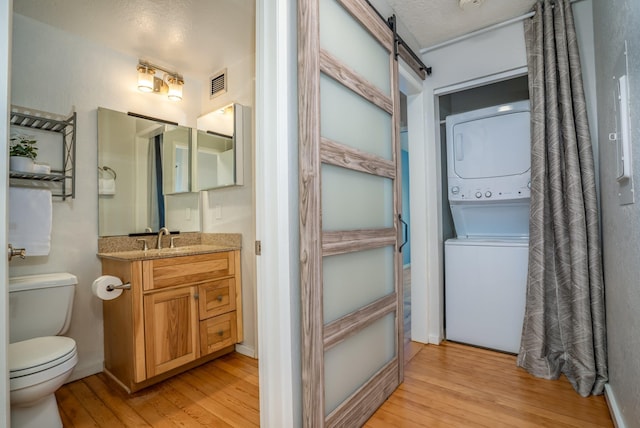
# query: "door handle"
405, 228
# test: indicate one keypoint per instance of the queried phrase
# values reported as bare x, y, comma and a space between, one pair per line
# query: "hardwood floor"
222, 393
454, 385
445, 386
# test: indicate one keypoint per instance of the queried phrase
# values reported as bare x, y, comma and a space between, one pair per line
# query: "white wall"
5, 73
616, 21
236, 205
58, 72
491, 56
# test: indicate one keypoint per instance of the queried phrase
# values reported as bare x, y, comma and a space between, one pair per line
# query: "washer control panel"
481, 190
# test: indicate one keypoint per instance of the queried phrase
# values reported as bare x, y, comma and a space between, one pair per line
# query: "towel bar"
109, 170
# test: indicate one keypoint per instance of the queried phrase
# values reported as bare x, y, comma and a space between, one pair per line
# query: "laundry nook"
488, 164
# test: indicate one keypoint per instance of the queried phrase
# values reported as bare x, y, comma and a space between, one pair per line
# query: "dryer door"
495, 146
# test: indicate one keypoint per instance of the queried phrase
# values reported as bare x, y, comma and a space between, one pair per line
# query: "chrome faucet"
162, 231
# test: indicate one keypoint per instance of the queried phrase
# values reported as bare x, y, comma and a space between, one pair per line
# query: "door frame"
421, 265
5, 96
276, 175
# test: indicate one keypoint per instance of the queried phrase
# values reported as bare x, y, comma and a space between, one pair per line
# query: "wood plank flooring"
445, 386
222, 393
454, 385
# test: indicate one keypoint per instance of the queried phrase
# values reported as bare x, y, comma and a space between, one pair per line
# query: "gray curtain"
564, 325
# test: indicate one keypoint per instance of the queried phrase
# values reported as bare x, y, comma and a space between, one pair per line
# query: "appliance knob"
478, 195
455, 190
488, 194
529, 185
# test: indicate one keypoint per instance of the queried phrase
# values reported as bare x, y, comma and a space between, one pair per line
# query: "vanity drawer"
173, 271
217, 333
216, 297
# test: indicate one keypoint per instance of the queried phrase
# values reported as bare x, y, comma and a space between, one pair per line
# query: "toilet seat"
36, 360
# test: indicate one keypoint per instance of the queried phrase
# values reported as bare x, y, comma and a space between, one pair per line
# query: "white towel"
30, 220
106, 186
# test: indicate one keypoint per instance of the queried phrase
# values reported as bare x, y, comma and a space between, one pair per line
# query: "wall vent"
218, 84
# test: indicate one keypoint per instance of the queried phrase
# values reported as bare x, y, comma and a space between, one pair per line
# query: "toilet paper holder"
112, 287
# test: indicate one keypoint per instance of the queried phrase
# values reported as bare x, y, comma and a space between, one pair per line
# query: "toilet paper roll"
99, 287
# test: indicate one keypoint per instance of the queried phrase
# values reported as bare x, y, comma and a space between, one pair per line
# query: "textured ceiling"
435, 21
201, 36
189, 36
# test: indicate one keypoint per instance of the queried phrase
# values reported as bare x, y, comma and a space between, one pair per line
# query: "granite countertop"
128, 248
150, 254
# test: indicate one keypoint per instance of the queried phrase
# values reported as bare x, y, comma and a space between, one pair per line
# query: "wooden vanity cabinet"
179, 313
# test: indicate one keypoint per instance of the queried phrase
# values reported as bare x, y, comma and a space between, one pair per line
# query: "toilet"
40, 360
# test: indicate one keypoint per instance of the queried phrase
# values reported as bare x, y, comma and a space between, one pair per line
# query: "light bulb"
175, 88
145, 78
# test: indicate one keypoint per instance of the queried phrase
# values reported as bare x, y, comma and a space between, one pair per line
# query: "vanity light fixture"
170, 84
175, 88
145, 78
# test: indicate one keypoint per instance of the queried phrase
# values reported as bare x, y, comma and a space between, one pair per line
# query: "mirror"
149, 171
176, 160
219, 149
215, 160
144, 175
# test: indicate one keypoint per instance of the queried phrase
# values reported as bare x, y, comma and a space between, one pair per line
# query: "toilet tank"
40, 305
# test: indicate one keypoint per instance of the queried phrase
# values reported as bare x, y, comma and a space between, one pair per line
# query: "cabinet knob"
219, 298
221, 333
196, 296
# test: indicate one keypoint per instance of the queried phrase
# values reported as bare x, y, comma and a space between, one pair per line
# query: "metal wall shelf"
64, 181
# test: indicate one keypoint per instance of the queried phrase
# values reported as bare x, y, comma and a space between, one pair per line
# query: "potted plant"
22, 153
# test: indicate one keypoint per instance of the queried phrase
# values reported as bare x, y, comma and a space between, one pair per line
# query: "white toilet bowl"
37, 368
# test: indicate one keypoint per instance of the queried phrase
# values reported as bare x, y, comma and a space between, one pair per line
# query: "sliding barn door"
349, 205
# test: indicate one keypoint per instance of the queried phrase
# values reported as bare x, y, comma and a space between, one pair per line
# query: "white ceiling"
199, 36
435, 21
187, 36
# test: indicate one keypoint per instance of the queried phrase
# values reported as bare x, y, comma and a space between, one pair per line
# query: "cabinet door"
216, 297
171, 323
218, 332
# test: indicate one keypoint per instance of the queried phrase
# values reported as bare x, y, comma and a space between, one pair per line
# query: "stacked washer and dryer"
488, 163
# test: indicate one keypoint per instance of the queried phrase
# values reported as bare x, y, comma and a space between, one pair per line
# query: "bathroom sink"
154, 253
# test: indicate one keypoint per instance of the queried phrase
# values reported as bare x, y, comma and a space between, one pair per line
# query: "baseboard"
246, 350
83, 371
435, 339
614, 410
